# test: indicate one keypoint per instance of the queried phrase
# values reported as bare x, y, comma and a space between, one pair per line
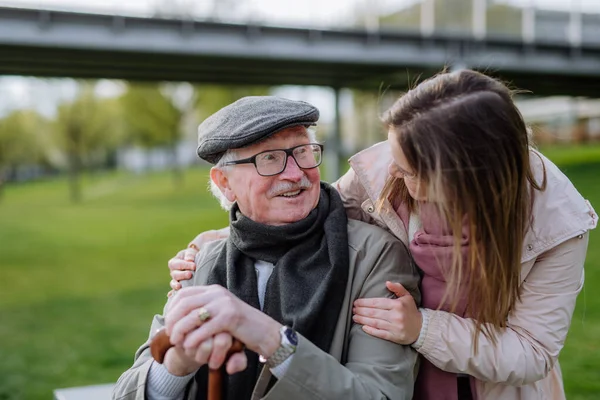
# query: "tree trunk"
3, 180
74, 174
178, 180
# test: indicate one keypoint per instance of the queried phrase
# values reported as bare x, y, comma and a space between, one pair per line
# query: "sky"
44, 94
314, 12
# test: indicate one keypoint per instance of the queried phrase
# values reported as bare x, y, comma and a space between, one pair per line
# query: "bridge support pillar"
333, 144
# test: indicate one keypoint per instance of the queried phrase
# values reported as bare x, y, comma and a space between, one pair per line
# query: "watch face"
291, 336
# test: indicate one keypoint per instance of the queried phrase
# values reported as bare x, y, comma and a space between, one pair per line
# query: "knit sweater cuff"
424, 327
438, 322
162, 384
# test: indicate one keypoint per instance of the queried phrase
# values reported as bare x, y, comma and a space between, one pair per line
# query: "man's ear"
220, 179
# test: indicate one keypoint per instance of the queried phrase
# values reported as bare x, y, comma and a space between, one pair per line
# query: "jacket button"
579, 236
370, 209
529, 247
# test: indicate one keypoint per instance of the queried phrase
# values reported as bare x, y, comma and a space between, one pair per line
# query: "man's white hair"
232, 155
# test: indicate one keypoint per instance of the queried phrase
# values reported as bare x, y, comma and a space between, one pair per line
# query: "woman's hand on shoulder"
182, 267
397, 320
183, 264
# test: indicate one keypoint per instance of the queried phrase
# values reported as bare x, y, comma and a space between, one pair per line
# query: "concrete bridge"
68, 44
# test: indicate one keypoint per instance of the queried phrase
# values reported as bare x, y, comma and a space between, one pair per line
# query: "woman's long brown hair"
468, 144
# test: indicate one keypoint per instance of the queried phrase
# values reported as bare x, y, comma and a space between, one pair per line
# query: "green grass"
573, 154
79, 284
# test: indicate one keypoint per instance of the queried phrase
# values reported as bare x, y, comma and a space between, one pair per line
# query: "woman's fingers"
174, 285
379, 333
178, 275
237, 363
373, 322
372, 312
397, 289
383, 303
190, 254
176, 264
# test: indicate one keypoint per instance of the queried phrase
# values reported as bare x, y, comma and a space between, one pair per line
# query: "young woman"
498, 231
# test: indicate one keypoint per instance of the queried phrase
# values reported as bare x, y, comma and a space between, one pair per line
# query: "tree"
211, 98
21, 142
86, 129
154, 114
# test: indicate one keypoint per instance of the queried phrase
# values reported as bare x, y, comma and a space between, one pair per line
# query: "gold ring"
193, 246
203, 314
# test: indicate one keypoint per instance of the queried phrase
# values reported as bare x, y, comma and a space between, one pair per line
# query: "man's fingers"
221, 345
203, 351
237, 363
188, 301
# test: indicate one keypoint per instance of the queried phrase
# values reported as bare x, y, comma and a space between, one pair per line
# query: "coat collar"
559, 212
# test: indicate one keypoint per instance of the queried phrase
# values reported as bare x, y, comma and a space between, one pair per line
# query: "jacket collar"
559, 212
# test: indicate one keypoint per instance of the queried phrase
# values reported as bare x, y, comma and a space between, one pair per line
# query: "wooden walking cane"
160, 343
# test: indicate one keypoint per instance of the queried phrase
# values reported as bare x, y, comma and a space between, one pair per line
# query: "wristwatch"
287, 347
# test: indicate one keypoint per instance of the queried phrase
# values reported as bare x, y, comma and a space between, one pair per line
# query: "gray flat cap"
249, 120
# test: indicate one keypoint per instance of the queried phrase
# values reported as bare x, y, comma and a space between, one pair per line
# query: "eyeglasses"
273, 162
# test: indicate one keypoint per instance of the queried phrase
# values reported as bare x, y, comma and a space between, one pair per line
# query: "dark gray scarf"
306, 288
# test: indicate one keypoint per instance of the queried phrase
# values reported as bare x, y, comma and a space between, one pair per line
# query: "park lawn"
79, 284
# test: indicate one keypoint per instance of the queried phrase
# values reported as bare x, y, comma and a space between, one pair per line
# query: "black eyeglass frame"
288, 153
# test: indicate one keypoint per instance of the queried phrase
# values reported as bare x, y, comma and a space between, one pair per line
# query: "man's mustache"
283, 187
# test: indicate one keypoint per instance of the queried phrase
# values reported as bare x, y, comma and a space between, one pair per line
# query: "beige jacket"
358, 366
524, 363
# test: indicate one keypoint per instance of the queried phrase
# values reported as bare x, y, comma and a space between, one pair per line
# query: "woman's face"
400, 169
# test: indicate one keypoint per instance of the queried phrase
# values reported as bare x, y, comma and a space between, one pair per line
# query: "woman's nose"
393, 171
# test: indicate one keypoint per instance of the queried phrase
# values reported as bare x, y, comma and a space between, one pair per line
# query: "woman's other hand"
182, 267
397, 320
183, 264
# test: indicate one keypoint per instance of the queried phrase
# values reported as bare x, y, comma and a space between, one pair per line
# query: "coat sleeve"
374, 368
132, 383
528, 348
353, 195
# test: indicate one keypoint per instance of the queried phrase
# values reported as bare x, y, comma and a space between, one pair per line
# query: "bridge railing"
576, 23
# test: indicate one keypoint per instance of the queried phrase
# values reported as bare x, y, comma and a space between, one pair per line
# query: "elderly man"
284, 280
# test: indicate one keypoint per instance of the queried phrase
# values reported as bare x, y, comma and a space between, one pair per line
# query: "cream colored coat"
524, 362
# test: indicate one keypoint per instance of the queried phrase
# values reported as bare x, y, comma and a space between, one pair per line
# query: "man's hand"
179, 363
258, 331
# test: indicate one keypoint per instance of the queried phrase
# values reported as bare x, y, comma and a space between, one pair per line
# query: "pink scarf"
432, 249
